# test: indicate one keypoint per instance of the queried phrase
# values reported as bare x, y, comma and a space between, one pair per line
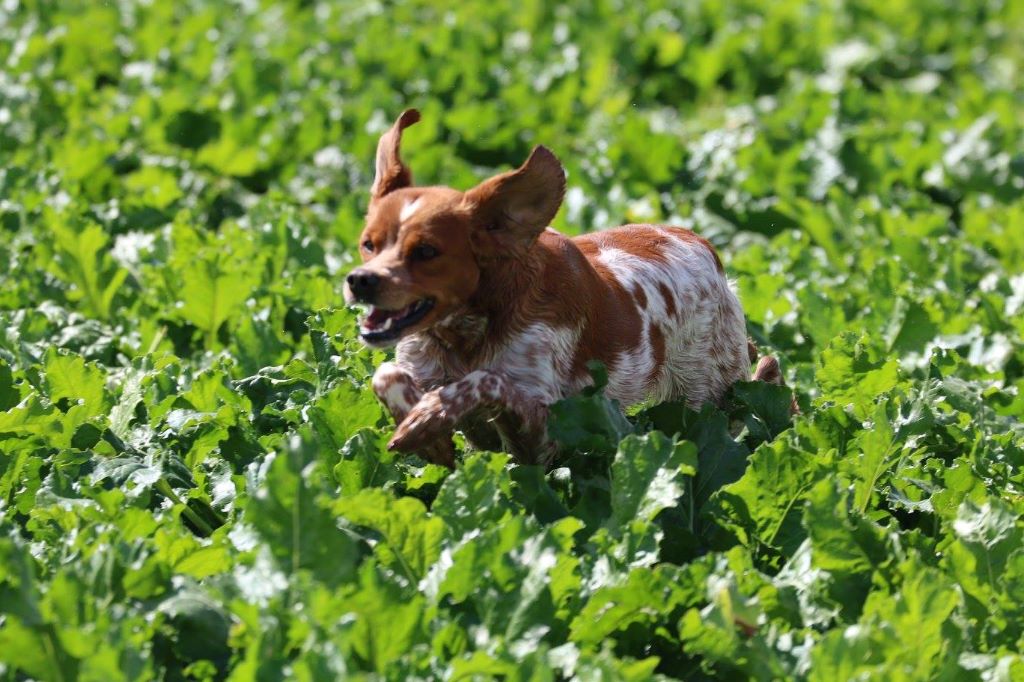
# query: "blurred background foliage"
856, 129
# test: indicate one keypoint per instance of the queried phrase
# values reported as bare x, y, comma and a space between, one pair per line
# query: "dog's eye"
424, 252
368, 246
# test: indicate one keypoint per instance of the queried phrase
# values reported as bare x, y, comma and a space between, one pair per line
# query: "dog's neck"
461, 331
498, 309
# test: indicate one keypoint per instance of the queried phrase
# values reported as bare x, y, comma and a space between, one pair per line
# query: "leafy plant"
194, 482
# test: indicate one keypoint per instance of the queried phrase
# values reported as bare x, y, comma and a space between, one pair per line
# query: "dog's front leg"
520, 419
399, 392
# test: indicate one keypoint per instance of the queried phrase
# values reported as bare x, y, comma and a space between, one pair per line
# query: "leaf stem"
164, 488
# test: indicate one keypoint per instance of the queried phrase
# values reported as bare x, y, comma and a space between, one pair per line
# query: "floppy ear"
391, 173
512, 209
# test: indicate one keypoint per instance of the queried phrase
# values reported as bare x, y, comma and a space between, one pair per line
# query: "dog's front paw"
426, 422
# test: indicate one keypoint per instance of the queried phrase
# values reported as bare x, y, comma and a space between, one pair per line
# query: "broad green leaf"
477, 495
379, 608
213, 290
644, 602
843, 542
30, 424
199, 627
344, 409
410, 539
765, 507
81, 258
647, 476
726, 632
36, 651
871, 459
909, 634
720, 459
291, 515
9, 395
365, 463
69, 377
853, 371
505, 573
587, 423
767, 408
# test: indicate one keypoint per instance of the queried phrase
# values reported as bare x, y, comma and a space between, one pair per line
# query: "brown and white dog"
496, 315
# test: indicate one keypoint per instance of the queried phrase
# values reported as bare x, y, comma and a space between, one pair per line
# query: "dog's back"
649, 302
690, 338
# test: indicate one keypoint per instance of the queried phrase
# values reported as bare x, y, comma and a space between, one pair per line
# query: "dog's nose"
363, 284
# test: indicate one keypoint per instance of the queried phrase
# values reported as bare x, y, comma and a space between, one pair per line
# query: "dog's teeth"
387, 324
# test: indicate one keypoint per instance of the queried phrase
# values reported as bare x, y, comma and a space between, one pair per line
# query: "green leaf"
205, 562
200, 627
122, 414
81, 258
214, 288
18, 587
69, 377
534, 494
765, 507
908, 633
587, 423
381, 623
871, 459
477, 495
721, 460
366, 463
766, 408
853, 371
986, 558
342, 411
36, 651
641, 606
647, 477
726, 631
9, 395
30, 424
843, 542
505, 574
293, 517
411, 540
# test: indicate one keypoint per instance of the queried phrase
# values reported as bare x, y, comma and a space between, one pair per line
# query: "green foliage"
194, 482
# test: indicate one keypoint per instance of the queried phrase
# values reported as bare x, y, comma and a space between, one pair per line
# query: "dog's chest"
537, 359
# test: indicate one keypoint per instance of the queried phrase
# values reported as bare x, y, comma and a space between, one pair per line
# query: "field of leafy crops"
193, 478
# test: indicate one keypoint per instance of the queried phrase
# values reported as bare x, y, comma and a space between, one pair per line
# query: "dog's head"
424, 248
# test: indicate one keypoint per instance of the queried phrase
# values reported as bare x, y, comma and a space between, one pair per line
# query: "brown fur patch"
657, 349
669, 297
640, 296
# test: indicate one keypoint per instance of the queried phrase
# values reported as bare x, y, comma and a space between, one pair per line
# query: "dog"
495, 316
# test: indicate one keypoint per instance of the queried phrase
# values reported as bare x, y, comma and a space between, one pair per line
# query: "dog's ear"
510, 210
391, 173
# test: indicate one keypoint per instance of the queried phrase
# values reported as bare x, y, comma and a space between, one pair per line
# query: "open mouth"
381, 326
